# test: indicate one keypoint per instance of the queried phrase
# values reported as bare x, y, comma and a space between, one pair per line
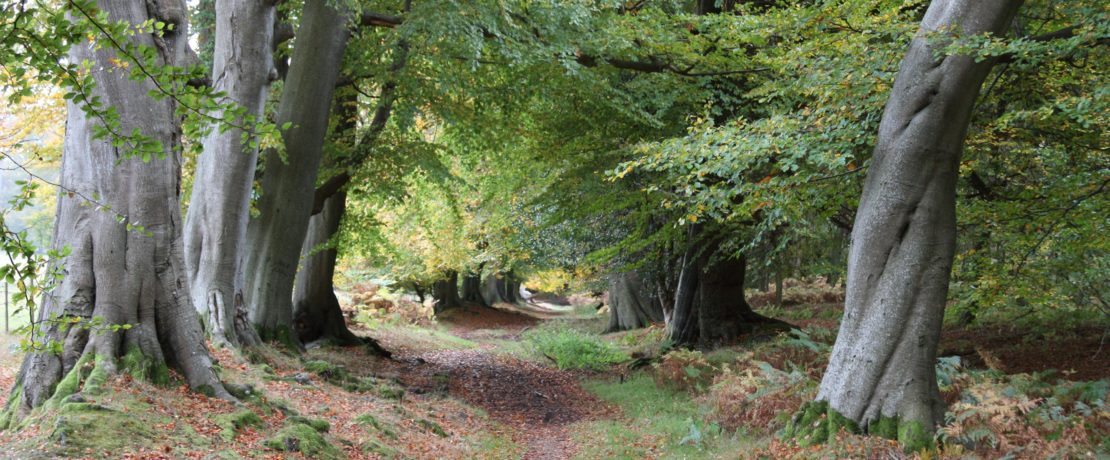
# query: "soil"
537, 402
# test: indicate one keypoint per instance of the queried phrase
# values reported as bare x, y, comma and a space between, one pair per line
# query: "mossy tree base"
816, 423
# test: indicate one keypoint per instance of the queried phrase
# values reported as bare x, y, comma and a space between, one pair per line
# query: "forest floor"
499, 384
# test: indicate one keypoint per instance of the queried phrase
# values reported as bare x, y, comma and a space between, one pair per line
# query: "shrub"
1023, 415
757, 396
571, 349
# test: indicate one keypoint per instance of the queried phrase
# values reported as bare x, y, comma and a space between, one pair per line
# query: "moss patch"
319, 425
298, 437
230, 424
371, 421
432, 427
142, 367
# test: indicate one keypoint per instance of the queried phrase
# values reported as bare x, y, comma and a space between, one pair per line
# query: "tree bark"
287, 188
216, 227
472, 289
631, 304
881, 374
446, 293
491, 290
124, 277
709, 307
316, 310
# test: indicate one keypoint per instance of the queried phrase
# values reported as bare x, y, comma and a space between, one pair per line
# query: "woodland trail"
536, 401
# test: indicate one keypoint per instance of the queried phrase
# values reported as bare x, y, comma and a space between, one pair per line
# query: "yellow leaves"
692, 218
119, 63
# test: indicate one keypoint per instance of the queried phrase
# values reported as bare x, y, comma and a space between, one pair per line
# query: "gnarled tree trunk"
275, 237
881, 374
316, 312
124, 277
631, 304
216, 226
709, 306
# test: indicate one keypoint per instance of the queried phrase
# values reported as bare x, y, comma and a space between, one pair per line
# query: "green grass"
668, 424
573, 349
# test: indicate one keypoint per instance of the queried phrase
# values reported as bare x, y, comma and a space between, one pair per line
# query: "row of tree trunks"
276, 236
123, 276
216, 226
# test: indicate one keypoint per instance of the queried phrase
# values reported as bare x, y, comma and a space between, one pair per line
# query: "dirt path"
536, 401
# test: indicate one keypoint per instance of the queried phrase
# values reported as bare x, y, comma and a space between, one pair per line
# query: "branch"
371, 19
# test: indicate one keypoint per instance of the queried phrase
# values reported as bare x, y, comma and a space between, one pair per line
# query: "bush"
571, 349
757, 396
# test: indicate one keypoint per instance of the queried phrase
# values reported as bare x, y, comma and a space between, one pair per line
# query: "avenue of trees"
944, 155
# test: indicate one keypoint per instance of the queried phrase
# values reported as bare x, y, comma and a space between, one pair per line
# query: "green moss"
379, 448
325, 369
432, 426
206, 390
913, 436
886, 427
317, 424
71, 407
71, 383
298, 437
370, 420
142, 367
230, 424
282, 335
11, 406
98, 377
810, 425
836, 421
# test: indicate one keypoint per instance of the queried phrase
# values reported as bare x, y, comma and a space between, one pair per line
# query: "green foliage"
573, 349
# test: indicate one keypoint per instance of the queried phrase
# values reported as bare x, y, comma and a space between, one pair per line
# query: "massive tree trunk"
709, 306
446, 293
500, 288
472, 288
287, 188
881, 374
216, 226
316, 310
631, 304
132, 277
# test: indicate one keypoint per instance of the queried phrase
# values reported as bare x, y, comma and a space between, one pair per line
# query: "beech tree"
276, 236
882, 371
216, 223
124, 287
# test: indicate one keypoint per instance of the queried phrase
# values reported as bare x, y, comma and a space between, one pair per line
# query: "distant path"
536, 401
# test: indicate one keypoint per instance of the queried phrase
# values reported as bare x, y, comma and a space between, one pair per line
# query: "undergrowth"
574, 349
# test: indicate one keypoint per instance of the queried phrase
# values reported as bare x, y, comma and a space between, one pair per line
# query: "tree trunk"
316, 310
216, 227
491, 290
631, 304
127, 277
709, 306
446, 293
287, 188
881, 374
472, 289
683, 326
